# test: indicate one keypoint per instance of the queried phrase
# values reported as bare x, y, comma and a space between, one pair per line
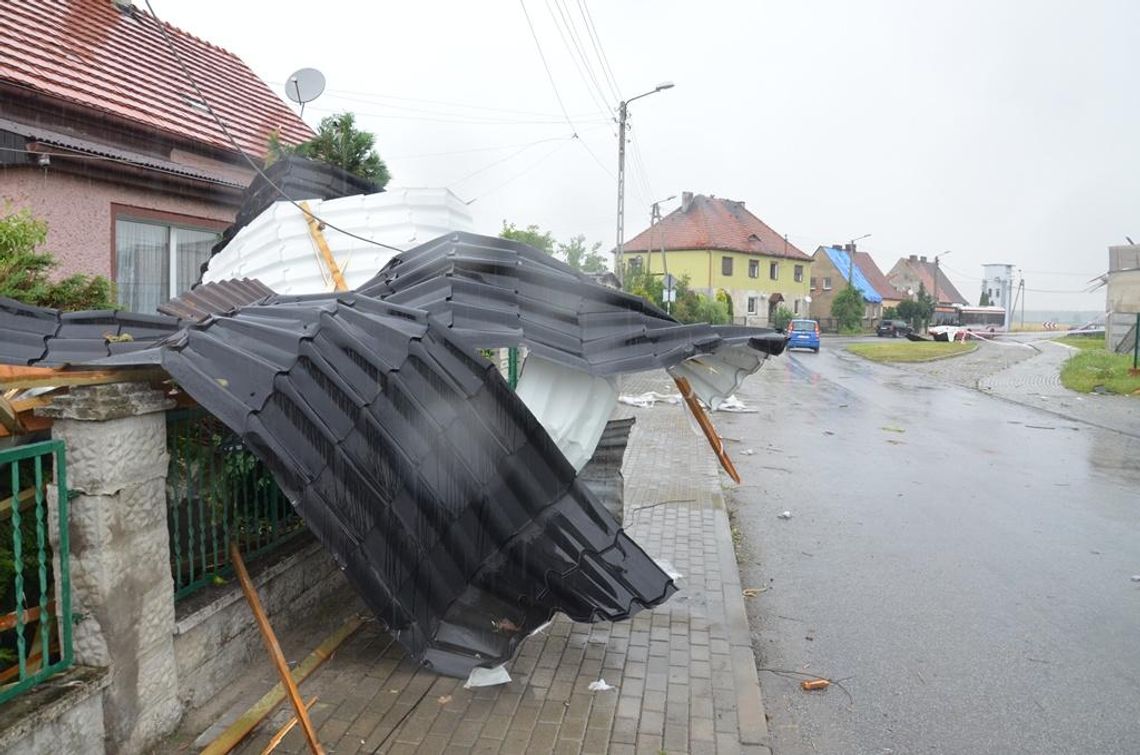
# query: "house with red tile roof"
720, 246
103, 137
911, 271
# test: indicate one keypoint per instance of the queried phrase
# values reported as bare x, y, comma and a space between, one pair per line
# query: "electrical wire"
501, 160
202, 98
512, 179
574, 49
599, 51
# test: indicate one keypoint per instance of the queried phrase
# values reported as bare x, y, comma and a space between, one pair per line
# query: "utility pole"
623, 119
619, 263
934, 314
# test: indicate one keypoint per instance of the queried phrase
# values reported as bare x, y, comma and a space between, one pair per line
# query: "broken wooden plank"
37, 377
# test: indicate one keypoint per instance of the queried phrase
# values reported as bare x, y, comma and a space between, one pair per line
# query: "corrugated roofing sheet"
845, 265
449, 506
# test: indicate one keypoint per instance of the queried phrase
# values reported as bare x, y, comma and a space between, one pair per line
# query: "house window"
635, 264
774, 270
155, 262
753, 268
796, 307
813, 284
726, 265
826, 283
799, 274
751, 305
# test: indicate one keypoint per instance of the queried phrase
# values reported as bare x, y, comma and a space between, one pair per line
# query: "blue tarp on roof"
842, 262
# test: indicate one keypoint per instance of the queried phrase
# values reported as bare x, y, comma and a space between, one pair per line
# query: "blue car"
803, 334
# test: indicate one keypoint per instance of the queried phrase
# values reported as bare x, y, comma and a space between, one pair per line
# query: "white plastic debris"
748, 451
487, 677
784, 515
600, 686
736, 406
541, 628
668, 568
647, 400
1136, 577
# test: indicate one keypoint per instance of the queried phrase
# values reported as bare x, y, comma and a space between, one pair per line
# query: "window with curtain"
155, 262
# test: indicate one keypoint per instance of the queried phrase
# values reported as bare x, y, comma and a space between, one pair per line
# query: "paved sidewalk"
1036, 382
685, 673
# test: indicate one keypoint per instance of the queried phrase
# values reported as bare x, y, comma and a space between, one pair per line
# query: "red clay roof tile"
712, 223
91, 54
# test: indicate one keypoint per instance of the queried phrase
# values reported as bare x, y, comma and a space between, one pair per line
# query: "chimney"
849, 248
914, 258
686, 200
922, 259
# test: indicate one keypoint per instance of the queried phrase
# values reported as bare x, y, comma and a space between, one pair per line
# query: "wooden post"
323, 248
274, 650
707, 427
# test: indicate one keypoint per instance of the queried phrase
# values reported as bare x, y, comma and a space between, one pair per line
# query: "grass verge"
1082, 342
1091, 369
910, 351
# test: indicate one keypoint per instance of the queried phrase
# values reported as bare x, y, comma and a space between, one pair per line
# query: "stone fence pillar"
122, 588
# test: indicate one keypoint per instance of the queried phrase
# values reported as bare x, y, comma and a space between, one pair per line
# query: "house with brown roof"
833, 265
104, 138
909, 272
718, 245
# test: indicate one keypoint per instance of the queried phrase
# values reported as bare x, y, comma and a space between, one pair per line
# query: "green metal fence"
35, 621
217, 492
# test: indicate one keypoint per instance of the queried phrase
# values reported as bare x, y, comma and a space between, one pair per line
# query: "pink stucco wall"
78, 213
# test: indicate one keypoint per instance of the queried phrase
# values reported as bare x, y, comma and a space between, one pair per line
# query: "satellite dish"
304, 86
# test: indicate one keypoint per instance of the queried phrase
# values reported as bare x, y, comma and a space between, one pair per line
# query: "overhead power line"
599, 51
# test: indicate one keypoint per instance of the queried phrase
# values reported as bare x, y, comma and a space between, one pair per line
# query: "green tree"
531, 235
984, 300
909, 310
689, 306
782, 318
25, 272
339, 142
577, 256
926, 306
847, 308
890, 313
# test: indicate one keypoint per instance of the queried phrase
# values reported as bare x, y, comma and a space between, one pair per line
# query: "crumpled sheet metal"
450, 508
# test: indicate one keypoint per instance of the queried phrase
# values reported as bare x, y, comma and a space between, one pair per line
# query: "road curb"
751, 717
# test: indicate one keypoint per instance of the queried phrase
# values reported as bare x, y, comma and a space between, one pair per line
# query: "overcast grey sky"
1003, 131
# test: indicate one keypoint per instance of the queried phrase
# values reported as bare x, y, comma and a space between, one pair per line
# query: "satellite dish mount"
305, 85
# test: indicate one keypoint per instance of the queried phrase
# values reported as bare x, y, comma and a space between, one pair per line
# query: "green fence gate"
35, 620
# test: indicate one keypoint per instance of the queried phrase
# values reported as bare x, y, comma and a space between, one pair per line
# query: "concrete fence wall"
149, 663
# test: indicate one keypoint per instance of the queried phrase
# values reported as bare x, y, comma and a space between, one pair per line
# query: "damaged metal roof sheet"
451, 509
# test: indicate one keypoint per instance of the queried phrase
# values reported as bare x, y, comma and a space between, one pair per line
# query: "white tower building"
997, 281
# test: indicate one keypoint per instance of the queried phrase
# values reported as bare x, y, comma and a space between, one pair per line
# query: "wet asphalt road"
963, 562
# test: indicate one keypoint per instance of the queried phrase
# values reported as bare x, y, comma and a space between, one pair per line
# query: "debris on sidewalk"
668, 568
600, 686
648, 399
736, 406
487, 677
1136, 577
810, 684
784, 515
892, 429
748, 452
443, 699
752, 592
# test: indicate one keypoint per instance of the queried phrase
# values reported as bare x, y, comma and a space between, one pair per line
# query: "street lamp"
623, 115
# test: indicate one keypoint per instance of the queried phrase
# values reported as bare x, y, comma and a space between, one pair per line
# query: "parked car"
893, 328
803, 334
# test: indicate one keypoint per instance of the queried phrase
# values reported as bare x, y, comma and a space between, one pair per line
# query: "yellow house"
720, 246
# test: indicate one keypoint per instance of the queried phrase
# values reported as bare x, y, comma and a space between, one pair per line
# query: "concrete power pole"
623, 113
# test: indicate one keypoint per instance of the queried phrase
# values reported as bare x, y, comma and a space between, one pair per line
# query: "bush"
782, 318
24, 272
847, 309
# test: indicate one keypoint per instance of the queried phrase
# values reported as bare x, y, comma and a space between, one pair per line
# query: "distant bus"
989, 319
